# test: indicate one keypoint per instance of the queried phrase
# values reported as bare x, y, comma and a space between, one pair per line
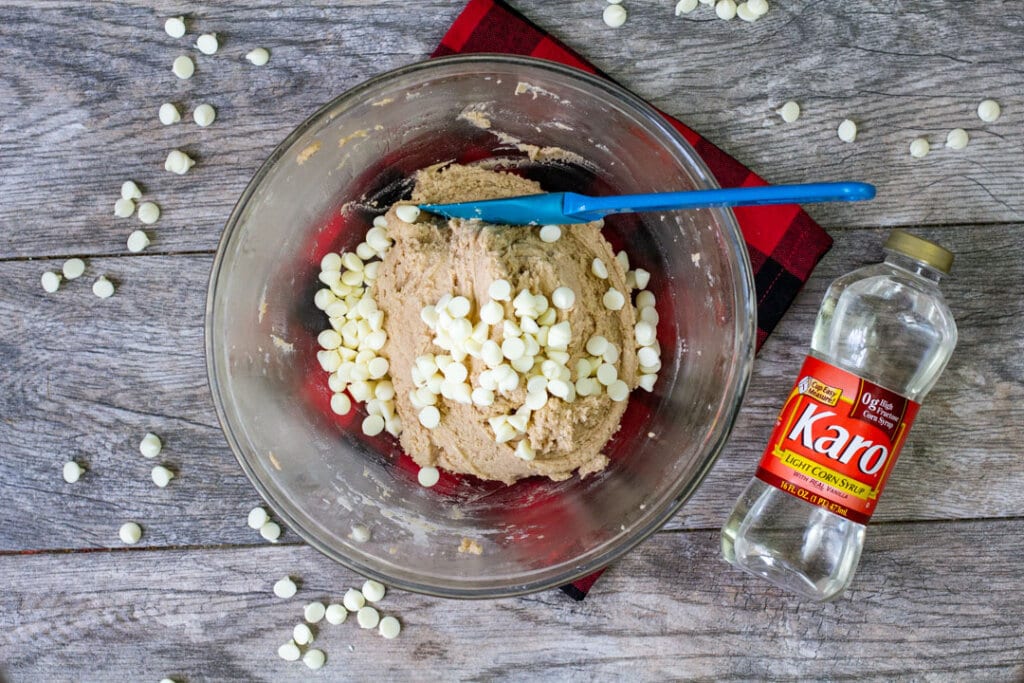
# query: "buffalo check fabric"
783, 242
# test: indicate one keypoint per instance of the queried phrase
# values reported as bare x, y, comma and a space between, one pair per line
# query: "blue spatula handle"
592, 208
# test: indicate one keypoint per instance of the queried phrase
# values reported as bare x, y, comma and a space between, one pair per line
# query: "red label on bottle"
836, 440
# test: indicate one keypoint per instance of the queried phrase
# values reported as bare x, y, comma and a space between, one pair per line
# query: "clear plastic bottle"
882, 338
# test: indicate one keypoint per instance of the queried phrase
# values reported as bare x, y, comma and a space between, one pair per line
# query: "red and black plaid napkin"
783, 242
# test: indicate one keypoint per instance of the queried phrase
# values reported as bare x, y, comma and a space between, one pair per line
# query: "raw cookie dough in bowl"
599, 472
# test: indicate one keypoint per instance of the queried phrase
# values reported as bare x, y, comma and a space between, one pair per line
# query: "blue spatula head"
534, 209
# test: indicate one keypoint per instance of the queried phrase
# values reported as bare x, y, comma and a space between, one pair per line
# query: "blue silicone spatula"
568, 207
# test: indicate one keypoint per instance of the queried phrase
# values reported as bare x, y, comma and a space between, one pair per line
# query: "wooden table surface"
940, 591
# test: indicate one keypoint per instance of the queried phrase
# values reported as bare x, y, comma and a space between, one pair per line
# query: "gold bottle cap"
920, 249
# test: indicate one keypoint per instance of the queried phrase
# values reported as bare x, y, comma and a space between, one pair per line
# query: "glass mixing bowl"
319, 191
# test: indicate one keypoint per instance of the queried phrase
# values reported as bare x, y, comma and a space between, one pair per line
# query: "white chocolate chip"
623, 258
427, 477
645, 299
285, 588
289, 652
919, 148
161, 476
618, 391
492, 313
129, 190
341, 404
178, 162
725, 9
847, 131
373, 591
955, 139
989, 111
150, 446
130, 533
390, 627
336, 614
314, 659
258, 56
613, 300
50, 281
500, 290
599, 269
207, 43
430, 417
123, 208
72, 471
183, 67
270, 531
607, 374
647, 356
257, 518
563, 298
524, 451
314, 612
137, 241
550, 233
646, 382
407, 213
73, 268
103, 288
596, 345
175, 27
368, 617
758, 7
360, 534
685, 7
353, 600
373, 425
614, 15
302, 634
169, 114
204, 115
645, 333
744, 12
789, 112
149, 213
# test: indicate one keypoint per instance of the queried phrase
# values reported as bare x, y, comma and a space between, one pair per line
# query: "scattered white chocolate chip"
129, 190
150, 446
258, 56
919, 148
550, 233
314, 612
847, 131
725, 9
613, 300
161, 476
285, 588
373, 425
373, 591
525, 451
368, 617
390, 627
500, 290
302, 634
73, 268
289, 652
207, 43
169, 114
744, 12
614, 15
130, 533
407, 213
50, 281
563, 298
314, 659
618, 391
341, 404
336, 614
271, 531
360, 533
957, 138
758, 7
183, 67
137, 241
178, 162
427, 476
123, 208
685, 7
72, 471
789, 112
103, 288
353, 600
204, 115
257, 518
989, 111
599, 269
149, 213
175, 27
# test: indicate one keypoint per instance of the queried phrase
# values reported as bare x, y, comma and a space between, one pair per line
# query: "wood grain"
87, 378
930, 603
80, 85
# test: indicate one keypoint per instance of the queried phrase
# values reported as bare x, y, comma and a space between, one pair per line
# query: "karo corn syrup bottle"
882, 338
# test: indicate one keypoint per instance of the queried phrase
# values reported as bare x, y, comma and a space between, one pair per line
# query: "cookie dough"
434, 257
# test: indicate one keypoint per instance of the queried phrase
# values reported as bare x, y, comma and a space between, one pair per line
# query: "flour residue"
308, 152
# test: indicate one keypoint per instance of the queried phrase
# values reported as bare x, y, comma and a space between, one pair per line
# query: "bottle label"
836, 440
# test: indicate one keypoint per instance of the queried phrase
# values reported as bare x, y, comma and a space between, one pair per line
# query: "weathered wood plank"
80, 84
932, 602
86, 378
